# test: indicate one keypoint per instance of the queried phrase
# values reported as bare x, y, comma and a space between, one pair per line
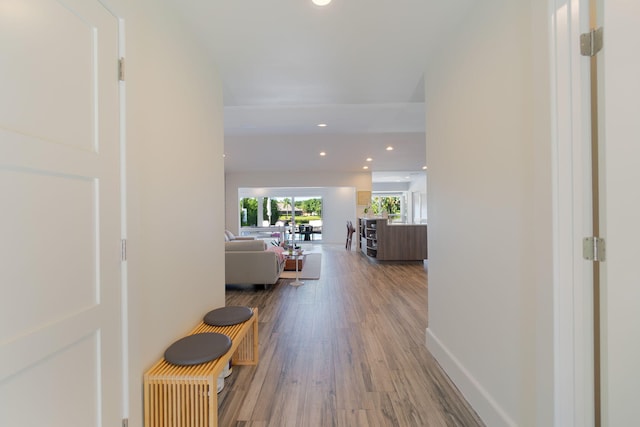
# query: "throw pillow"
278, 251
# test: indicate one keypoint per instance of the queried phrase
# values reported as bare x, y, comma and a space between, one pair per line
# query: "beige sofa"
249, 262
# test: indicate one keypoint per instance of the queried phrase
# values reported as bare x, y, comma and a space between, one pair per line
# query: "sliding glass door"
299, 218
302, 217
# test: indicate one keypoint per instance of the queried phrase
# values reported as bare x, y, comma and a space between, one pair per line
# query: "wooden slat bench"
181, 396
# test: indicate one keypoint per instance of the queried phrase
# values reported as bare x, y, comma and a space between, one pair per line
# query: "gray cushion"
245, 245
197, 348
226, 316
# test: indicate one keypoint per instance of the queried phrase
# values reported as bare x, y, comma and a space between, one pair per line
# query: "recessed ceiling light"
321, 2
322, 125
424, 168
369, 159
365, 167
322, 153
389, 148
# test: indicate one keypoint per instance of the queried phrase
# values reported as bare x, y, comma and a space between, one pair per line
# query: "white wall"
337, 189
390, 186
489, 198
175, 185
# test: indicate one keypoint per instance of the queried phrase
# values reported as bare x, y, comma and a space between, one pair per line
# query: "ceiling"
355, 65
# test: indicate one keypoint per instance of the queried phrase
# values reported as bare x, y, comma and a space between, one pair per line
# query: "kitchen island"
392, 242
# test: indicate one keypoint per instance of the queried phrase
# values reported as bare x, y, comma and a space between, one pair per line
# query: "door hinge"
591, 42
121, 69
125, 422
593, 249
123, 250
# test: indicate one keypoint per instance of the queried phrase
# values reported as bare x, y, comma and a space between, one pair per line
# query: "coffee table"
290, 263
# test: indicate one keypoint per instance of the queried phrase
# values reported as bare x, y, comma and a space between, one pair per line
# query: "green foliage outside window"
311, 209
248, 212
275, 215
389, 204
300, 219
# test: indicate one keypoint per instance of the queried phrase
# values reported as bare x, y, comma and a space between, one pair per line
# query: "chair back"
350, 231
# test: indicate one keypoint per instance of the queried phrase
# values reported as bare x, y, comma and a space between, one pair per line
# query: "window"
393, 204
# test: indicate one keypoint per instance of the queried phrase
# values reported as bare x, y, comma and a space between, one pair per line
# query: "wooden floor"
345, 350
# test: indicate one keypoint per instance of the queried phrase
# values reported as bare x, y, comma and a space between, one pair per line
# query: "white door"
59, 215
620, 288
619, 211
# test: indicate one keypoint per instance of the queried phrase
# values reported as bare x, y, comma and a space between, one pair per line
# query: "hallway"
345, 350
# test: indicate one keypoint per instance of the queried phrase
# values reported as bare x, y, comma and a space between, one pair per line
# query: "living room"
338, 194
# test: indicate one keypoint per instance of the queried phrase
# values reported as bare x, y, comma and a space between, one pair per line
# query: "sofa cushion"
251, 266
245, 245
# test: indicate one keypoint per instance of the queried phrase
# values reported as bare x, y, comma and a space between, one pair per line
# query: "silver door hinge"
121, 69
591, 42
593, 249
125, 422
123, 250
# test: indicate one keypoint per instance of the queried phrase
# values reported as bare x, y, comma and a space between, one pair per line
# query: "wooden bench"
177, 396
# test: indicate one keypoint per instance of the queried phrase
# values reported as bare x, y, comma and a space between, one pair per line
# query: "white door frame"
124, 283
124, 275
573, 277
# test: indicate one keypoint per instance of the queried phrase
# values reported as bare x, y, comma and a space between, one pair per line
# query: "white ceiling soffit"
304, 119
344, 152
291, 52
398, 176
288, 65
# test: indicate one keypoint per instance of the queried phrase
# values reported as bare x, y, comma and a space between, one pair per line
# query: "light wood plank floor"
345, 350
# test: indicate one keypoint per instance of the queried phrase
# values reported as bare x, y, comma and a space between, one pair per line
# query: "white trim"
478, 397
124, 281
573, 354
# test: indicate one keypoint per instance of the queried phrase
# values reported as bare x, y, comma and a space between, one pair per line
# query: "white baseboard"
482, 402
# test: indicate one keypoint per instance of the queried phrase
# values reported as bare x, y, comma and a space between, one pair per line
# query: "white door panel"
50, 74
42, 208
621, 214
59, 219
58, 391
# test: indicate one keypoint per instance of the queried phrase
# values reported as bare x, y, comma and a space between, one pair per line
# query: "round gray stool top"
197, 348
226, 316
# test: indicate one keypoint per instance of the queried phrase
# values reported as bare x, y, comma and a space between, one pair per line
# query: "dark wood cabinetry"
369, 237
399, 242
